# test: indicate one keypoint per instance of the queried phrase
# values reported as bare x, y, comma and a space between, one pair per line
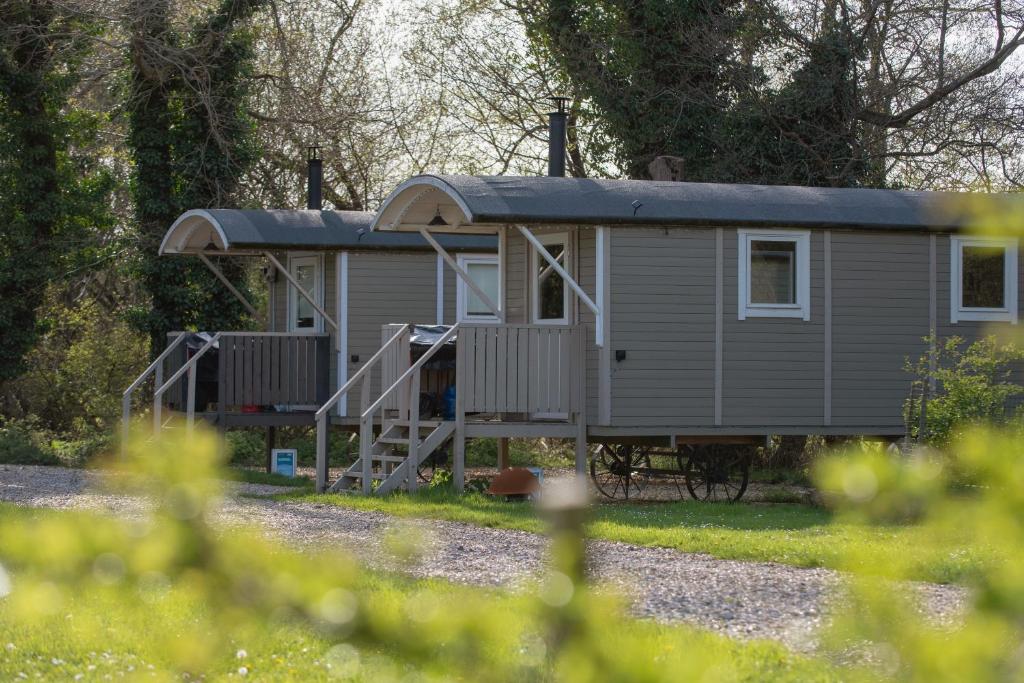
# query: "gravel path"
743, 599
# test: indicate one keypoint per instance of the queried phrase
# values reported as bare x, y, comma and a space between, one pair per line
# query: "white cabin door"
302, 315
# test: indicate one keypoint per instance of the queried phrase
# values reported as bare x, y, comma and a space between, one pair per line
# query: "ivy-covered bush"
964, 385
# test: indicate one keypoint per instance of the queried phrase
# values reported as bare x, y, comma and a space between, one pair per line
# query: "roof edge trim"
165, 244
429, 181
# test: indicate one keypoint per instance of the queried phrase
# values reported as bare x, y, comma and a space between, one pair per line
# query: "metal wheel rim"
717, 477
613, 471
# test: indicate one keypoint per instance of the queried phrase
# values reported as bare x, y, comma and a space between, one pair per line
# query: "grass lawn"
116, 633
800, 535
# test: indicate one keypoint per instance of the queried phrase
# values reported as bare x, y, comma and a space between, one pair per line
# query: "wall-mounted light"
438, 219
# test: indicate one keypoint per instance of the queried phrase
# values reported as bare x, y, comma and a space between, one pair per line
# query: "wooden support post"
581, 407
365, 446
503, 453
269, 447
459, 442
322, 433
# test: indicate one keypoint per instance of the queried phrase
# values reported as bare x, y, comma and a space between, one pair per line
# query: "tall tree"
833, 92
191, 141
48, 194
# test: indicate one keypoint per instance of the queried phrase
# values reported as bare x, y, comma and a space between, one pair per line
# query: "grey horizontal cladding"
407, 293
662, 316
773, 367
877, 326
582, 201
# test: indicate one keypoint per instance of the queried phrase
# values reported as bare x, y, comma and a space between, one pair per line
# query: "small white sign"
283, 461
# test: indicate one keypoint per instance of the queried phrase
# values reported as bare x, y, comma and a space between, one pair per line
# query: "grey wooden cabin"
684, 312
332, 284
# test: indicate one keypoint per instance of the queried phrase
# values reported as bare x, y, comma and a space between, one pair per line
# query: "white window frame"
462, 289
318, 290
802, 307
535, 261
957, 311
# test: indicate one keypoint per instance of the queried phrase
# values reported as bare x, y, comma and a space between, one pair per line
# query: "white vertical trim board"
341, 284
502, 268
719, 341
602, 258
439, 312
827, 408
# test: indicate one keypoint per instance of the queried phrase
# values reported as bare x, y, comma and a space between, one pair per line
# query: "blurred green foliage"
167, 595
882, 622
967, 384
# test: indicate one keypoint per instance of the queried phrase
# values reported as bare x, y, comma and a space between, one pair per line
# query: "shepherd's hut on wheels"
639, 313
332, 284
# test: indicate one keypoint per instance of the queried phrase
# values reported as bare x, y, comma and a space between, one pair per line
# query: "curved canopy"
464, 202
246, 231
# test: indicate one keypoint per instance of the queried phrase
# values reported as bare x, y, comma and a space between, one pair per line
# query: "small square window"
983, 279
483, 269
774, 274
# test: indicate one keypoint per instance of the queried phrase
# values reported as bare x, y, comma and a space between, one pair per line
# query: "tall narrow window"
484, 271
774, 274
550, 293
302, 315
984, 279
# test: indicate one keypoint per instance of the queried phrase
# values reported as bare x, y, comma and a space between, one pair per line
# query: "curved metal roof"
508, 199
255, 230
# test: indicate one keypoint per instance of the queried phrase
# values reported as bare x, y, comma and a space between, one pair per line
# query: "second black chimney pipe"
315, 180
556, 138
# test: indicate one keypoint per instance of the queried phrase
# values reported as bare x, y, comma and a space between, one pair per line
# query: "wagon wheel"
618, 471
438, 460
717, 473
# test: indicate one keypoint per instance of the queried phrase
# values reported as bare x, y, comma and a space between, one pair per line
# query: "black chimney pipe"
556, 138
315, 180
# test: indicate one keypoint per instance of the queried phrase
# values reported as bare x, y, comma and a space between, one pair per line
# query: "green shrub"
21, 445
972, 385
77, 371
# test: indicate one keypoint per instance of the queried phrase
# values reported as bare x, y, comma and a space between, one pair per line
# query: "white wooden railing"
156, 368
532, 369
362, 375
409, 379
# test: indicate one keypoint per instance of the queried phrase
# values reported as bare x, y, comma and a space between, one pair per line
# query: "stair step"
388, 458
424, 424
403, 440
359, 475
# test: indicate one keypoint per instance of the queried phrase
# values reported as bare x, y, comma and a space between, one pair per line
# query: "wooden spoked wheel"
620, 472
716, 473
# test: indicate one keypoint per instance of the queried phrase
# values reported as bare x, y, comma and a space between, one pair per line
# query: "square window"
983, 279
484, 271
551, 303
774, 274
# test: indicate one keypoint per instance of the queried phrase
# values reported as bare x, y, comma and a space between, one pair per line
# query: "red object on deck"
252, 409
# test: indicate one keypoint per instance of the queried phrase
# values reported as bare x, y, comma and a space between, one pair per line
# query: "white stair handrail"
412, 368
321, 414
360, 373
126, 397
366, 419
187, 367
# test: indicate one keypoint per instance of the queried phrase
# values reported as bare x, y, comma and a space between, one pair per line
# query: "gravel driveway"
744, 599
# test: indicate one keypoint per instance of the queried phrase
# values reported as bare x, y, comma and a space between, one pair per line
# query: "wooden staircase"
390, 460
